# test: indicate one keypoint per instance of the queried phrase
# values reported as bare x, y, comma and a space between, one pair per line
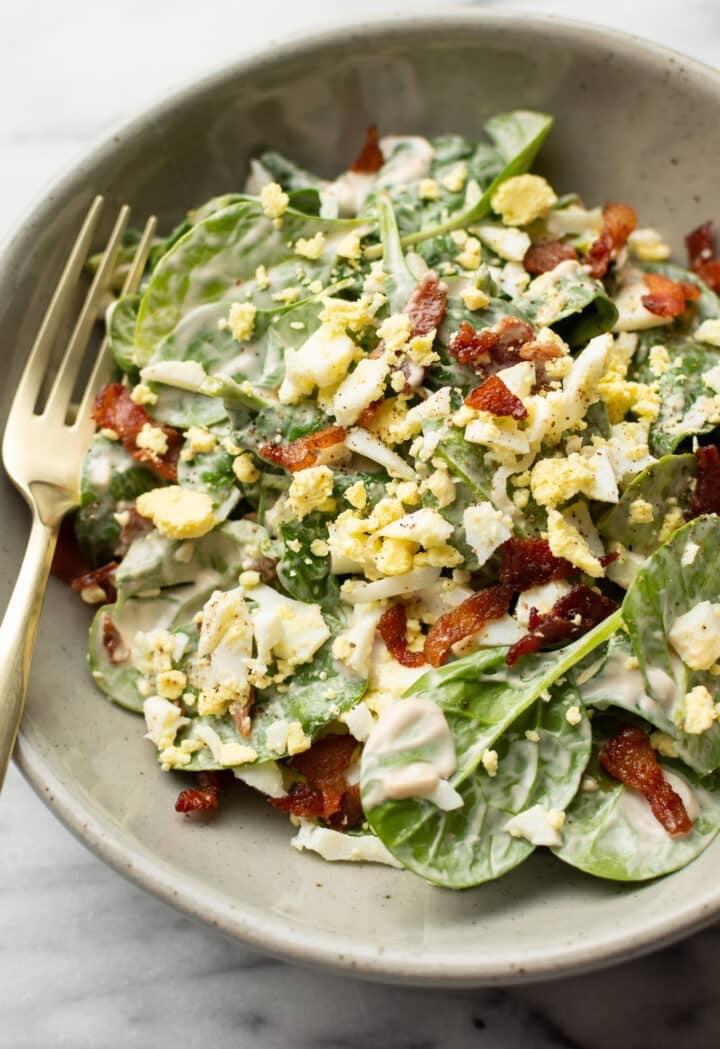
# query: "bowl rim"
268, 933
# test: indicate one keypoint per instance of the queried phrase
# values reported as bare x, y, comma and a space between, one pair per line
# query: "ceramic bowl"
633, 122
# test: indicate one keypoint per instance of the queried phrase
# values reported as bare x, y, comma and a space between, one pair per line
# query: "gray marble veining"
88, 960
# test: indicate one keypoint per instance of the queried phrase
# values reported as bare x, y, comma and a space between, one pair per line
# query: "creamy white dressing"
412, 725
407, 159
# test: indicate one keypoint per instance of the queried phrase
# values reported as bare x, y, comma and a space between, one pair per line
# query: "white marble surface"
88, 960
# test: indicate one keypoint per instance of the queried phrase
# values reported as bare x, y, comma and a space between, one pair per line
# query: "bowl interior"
632, 123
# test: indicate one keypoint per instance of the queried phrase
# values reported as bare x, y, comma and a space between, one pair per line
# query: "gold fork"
45, 442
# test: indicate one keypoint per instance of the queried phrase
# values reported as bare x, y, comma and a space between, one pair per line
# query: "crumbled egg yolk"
641, 512
311, 489
349, 247
456, 178
241, 320
522, 199
475, 298
200, 441
244, 469
176, 512
311, 247
555, 481
152, 439
428, 189
274, 200
470, 257
567, 541
699, 711
142, 394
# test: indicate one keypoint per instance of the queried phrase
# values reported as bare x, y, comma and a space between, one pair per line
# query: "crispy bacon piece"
200, 800
495, 397
323, 766
302, 800
392, 629
570, 617
545, 256
304, 452
705, 499
629, 758
427, 304
104, 577
469, 617
370, 158
490, 349
351, 811
68, 562
701, 255
619, 220
367, 415
668, 298
116, 410
112, 641
525, 563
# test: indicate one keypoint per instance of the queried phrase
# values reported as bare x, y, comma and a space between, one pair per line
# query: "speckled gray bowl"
634, 122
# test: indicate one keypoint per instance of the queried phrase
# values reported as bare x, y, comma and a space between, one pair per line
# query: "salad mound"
403, 512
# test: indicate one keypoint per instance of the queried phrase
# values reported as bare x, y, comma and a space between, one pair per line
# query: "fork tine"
42, 347
59, 396
103, 364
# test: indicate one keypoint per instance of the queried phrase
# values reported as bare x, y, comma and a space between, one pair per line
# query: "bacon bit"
427, 305
491, 349
607, 559
628, 757
538, 352
619, 221
323, 766
571, 616
668, 298
112, 641
68, 562
302, 800
116, 410
705, 498
701, 252
370, 158
104, 577
200, 800
367, 415
495, 397
469, 617
240, 713
525, 563
305, 451
351, 811
545, 256
392, 629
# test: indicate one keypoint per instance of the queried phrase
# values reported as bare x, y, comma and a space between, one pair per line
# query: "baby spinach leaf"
575, 305
470, 845
400, 282
109, 476
671, 582
618, 682
304, 574
212, 473
610, 832
517, 137
120, 323
681, 389
318, 693
481, 699
152, 563
666, 485
174, 607
220, 254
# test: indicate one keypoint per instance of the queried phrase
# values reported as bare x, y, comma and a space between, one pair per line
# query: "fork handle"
18, 631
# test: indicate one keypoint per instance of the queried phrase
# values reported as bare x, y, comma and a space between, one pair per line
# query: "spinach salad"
402, 511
